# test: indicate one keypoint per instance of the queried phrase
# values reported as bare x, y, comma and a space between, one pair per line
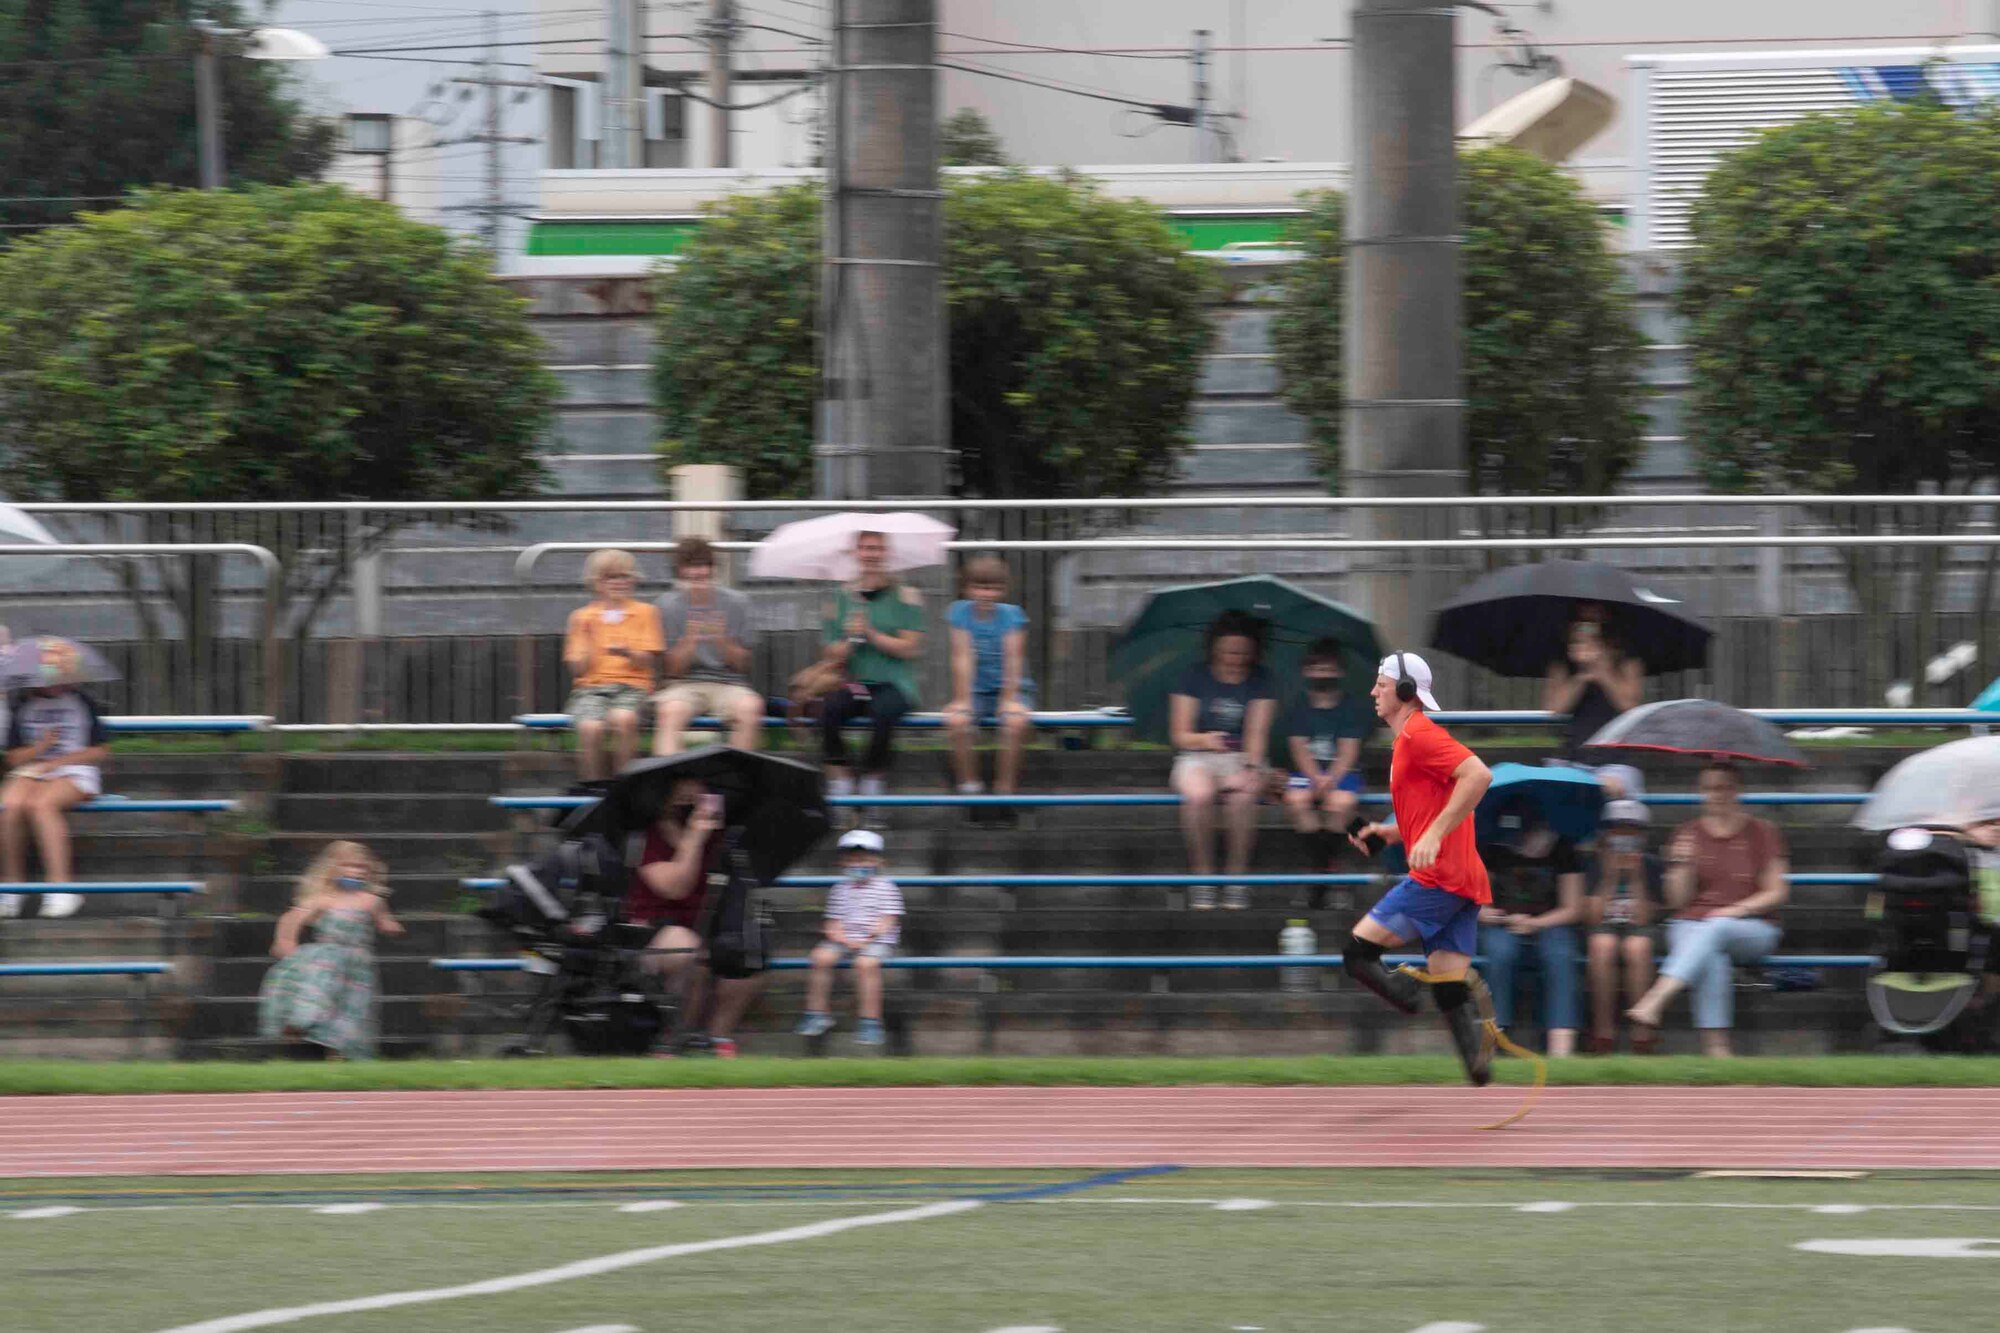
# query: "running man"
1434, 783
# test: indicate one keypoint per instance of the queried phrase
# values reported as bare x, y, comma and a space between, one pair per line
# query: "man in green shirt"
874, 629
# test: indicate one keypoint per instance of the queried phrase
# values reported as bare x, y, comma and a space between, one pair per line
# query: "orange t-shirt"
1420, 769
596, 629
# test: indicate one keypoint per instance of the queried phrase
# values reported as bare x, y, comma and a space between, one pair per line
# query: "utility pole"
1404, 416
494, 208
720, 30
1201, 145
208, 108
624, 91
884, 429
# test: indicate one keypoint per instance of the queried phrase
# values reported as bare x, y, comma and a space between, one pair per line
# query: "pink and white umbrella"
823, 548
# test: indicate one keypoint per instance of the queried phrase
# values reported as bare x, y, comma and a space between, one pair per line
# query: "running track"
996, 1127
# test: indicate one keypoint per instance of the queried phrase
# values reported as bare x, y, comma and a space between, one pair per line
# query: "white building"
390, 157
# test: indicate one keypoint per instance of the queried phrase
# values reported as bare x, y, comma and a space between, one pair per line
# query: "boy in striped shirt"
864, 919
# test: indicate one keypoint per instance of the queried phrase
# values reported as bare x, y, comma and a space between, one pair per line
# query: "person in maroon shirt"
668, 892
1726, 880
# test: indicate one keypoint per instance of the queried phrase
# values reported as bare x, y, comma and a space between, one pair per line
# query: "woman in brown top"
1725, 881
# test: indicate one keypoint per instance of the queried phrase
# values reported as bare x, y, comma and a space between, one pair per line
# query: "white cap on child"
861, 840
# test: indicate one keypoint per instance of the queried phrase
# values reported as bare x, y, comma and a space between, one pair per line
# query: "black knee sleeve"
1362, 960
1451, 995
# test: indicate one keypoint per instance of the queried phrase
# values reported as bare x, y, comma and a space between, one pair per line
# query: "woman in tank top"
1593, 683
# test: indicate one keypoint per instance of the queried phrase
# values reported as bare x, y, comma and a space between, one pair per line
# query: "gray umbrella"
1701, 728
1955, 784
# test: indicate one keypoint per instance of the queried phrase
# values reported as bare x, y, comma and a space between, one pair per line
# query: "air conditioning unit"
1551, 120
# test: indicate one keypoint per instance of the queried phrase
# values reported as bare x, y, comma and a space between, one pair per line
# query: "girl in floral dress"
324, 992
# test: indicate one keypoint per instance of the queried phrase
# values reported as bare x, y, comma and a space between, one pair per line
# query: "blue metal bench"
1797, 879
119, 969
1140, 962
1078, 799
1492, 717
122, 805
137, 723
170, 887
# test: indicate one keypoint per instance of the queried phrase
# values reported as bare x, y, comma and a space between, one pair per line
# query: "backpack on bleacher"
1931, 941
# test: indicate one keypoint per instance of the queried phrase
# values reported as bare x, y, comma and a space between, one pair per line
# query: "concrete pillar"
707, 481
1404, 421
884, 426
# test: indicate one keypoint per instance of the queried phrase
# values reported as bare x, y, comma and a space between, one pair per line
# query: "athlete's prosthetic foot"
1467, 1007
1363, 962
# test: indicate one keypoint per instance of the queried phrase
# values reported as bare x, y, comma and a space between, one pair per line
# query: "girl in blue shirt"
989, 678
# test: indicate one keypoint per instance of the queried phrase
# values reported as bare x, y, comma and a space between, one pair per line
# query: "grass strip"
49, 1077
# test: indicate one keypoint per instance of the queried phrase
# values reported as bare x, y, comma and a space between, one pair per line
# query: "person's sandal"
1596, 1045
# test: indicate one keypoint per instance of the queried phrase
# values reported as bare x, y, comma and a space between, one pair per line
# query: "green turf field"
945, 1252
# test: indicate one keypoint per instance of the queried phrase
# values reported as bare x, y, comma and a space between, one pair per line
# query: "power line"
1005, 77
1038, 49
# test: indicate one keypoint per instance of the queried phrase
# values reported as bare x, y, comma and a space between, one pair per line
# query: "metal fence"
418, 611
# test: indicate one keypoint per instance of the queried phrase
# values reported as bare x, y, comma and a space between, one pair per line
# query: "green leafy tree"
98, 98
1078, 324
737, 366
1551, 352
275, 344
966, 139
1076, 329
1843, 308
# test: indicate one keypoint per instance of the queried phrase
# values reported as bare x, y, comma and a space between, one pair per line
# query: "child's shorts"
593, 703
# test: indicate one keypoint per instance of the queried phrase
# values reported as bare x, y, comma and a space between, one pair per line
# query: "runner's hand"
1425, 854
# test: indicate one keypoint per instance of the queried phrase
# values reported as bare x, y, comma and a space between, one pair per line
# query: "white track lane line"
1243, 1205
1546, 1206
38, 1214
1451, 1326
582, 1268
605, 1328
651, 1206
346, 1209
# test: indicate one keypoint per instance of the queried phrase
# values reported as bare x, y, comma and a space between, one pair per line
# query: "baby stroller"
1934, 945
561, 911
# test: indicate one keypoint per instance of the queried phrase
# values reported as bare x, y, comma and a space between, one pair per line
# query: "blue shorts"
1352, 782
986, 703
1440, 920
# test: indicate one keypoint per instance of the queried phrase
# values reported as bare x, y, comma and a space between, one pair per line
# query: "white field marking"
1546, 1206
37, 1214
651, 1206
1028, 1328
1840, 1209
1243, 1205
606, 1328
348, 1209
606, 1263
1451, 1326
1878, 1330
1923, 1247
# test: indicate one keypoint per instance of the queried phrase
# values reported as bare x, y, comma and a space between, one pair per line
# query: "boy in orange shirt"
611, 648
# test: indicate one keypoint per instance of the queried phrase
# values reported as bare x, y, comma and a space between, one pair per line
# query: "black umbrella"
1702, 728
775, 807
1516, 621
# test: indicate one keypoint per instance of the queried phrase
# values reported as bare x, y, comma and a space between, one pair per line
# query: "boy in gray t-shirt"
708, 635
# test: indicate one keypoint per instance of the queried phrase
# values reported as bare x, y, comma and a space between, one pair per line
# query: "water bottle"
1297, 940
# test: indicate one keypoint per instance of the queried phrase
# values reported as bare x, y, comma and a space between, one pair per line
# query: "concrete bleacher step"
449, 853
599, 385
1250, 467
1255, 374
596, 340
605, 476
605, 430
379, 814
1233, 420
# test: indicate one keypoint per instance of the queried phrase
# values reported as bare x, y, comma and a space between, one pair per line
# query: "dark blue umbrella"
1524, 798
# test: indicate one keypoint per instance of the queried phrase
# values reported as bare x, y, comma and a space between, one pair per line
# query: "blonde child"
324, 992
989, 678
611, 648
864, 920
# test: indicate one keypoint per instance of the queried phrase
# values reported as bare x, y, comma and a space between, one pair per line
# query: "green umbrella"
1168, 634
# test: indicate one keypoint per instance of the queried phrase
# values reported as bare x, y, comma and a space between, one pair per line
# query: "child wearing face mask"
1624, 911
323, 993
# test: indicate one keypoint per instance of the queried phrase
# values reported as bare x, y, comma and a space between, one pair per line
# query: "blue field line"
1061, 1187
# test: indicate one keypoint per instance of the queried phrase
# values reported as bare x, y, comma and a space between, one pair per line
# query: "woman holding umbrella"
1219, 720
1593, 682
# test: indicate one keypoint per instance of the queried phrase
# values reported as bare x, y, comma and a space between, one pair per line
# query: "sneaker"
868, 1032
722, 1048
1201, 898
814, 1025
1235, 897
10, 904
61, 904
